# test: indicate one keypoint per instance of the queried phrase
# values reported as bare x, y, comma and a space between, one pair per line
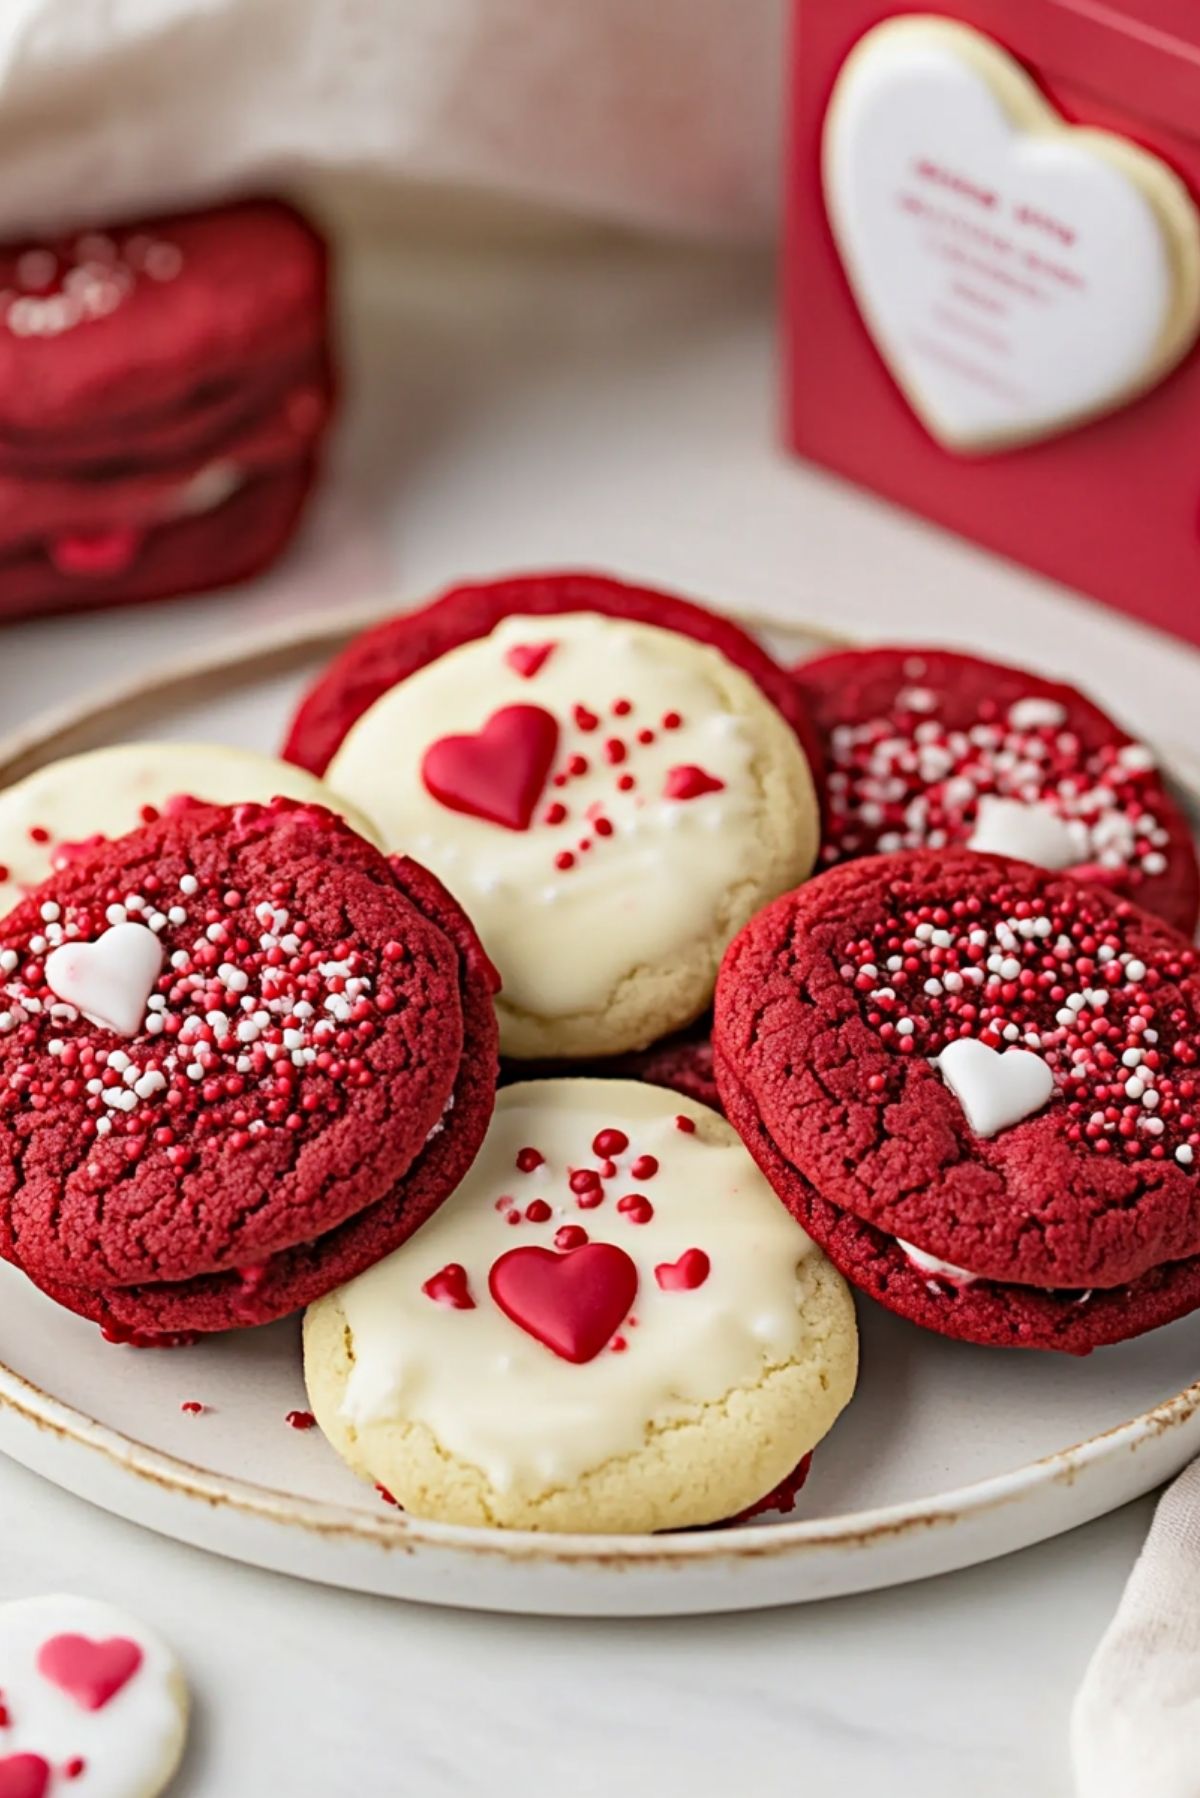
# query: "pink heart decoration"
89, 1672
570, 1303
499, 773
23, 1776
109, 980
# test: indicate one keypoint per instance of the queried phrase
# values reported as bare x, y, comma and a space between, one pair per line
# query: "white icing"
936, 1268
633, 899
1017, 275
1032, 832
496, 1397
207, 489
131, 1744
995, 1088
108, 980
102, 793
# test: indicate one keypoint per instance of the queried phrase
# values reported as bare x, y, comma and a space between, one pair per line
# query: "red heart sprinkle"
526, 658
90, 1672
570, 1303
691, 1270
636, 1207
23, 1776
449, 1287
499, 773
96, 553
690, 782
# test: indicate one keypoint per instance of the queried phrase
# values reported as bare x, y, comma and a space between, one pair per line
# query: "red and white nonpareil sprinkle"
250, 1026
905, 780
1113, 1028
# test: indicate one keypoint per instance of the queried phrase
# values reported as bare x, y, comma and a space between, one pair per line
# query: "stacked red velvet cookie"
974, 1082
242, 1055
164, 387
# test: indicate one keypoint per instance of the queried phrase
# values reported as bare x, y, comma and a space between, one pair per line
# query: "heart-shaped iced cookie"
1018, 274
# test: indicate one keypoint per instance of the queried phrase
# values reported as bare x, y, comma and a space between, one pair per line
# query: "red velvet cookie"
993, 1064
295, 1277
105, 336
927, 748
77, 569
390, 652
222, 1037
987, 1312
164, 387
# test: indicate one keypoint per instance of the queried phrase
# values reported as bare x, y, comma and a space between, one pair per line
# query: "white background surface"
590, 402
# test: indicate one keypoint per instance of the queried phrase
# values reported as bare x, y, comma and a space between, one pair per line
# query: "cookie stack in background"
958, 1057
165, 389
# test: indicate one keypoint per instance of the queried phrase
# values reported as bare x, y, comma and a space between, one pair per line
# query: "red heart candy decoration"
499, 773
571, 1303
525, 659
96, 553
89, 1672
691, 1270
689, 782
23, 1776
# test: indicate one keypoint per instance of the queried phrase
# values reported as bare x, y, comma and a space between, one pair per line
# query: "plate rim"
61, 731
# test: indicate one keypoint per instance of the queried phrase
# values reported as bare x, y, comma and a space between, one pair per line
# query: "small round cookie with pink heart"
91, 1702
612, 1325
976, 1083
610, 800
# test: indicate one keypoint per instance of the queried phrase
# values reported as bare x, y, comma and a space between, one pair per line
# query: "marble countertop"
589, 401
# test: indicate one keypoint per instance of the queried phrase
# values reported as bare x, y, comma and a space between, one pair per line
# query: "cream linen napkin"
1135, 1729
659, 113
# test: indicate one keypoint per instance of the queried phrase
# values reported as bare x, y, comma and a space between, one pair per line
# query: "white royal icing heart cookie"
91, 1702
1018, 274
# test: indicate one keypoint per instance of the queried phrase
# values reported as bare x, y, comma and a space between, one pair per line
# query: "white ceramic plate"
949, 1455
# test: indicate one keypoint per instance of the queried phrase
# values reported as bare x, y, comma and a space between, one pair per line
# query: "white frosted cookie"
609, 801
1019, 273
91, 1702
106, 792
612, 1325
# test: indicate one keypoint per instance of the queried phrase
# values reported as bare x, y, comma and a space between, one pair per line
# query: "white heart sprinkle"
994, 1089
1033, 833
109, 980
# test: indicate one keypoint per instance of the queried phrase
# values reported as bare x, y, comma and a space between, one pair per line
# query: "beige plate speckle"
949, 1455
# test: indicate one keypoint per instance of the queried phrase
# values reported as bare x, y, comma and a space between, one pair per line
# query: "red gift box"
990, 314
